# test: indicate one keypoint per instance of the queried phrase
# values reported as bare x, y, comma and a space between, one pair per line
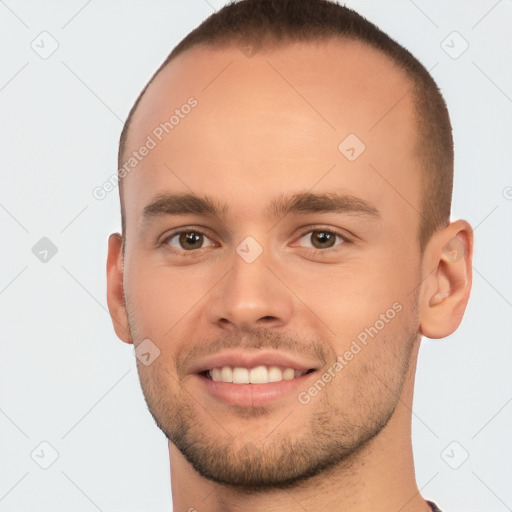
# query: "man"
285, 182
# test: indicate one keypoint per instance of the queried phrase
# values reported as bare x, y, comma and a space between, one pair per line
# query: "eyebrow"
298, 204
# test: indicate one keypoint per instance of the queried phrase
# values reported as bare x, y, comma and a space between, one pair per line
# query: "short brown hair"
284, 21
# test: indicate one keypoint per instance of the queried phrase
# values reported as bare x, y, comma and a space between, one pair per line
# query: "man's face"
311, 261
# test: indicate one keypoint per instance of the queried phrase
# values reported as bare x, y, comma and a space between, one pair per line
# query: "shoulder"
434, 507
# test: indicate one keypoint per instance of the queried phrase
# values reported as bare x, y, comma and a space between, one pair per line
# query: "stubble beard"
330, 437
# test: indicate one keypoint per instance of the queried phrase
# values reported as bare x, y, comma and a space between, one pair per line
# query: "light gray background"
65, 377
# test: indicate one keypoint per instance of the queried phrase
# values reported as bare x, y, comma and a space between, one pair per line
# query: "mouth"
257, 375
254, 378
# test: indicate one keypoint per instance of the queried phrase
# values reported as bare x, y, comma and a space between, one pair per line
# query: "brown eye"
189, 241
323, 239
320, 239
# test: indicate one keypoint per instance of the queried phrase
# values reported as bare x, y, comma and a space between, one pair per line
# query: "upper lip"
253, 358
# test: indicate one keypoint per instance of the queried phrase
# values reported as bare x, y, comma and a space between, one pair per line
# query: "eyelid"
347, 238
186, 229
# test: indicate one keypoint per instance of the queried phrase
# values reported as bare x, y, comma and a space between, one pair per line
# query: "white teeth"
258, 375
289, 374
226, 374
240, 376
275, 374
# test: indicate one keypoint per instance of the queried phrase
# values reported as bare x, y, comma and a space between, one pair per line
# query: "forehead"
343, 83
280, 119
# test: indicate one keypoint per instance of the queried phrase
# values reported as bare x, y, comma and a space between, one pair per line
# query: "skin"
253, 138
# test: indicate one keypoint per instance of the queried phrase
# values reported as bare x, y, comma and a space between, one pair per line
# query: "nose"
250, 297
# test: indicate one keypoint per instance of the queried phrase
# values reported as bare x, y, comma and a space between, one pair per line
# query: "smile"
257, 375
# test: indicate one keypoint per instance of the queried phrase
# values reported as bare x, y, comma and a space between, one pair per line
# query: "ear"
447, 279
115, 292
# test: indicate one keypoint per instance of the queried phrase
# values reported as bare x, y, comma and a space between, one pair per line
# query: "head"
297, 210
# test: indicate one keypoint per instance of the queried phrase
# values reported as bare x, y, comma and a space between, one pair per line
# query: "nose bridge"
251, 296
249, 277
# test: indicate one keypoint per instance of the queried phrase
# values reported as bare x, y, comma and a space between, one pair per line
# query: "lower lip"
254, 395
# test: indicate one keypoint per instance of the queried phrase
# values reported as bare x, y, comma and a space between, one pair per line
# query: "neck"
379, 477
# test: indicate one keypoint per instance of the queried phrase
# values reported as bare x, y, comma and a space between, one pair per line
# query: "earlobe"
447, 278
115, 291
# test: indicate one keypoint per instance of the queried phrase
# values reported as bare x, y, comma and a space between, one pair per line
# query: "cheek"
366, 303
373, 358
354, 294
150, 300
158, 297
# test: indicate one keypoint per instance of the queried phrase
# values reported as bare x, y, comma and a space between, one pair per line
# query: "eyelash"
321, 229
166, 240
345, 239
